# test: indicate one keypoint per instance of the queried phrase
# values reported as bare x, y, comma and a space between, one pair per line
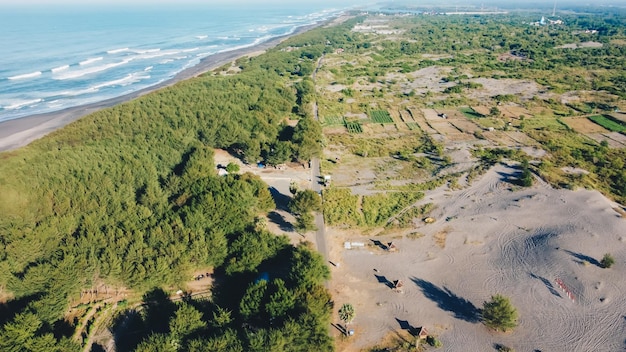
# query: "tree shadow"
341, 329
10, 309
279, 220
281, 200
383, 280
514, 178
447, 300
547, 283
380, 244
583, 258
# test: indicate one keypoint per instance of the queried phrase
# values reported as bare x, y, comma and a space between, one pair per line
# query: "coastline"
22, 131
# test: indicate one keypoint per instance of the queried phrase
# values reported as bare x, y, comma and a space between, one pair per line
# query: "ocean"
53, 58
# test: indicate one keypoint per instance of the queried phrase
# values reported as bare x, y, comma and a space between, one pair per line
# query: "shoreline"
20, 132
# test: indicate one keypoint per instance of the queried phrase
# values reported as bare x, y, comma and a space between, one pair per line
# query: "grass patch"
471, 113
608, 122
415, 235
440, 238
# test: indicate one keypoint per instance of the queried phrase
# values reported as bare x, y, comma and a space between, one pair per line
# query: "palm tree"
346, 314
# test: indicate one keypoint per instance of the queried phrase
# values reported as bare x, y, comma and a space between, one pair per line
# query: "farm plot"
445, 128
430, 114
421, 121
500, 138
471, 113
398, 120
354, 127
619, 116
466, 126
583, 125
380, 116
608, 123
612, 138
522, 138
513, 111
451, 114
481, 109
333, 121
413, 126
406, 116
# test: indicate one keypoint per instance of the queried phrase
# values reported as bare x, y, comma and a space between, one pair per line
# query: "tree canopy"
499, 313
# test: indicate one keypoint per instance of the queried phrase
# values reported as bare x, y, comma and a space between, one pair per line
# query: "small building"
421, 333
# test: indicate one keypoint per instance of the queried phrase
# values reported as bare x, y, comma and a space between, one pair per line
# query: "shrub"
433, 341
607, 261
499, 313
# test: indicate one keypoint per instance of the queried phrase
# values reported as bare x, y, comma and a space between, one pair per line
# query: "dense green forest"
129, 196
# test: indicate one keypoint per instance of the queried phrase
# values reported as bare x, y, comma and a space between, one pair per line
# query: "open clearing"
499, 240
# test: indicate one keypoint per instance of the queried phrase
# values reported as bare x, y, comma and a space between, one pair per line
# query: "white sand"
513, 242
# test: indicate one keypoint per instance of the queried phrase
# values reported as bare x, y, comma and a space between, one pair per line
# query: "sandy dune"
498, 239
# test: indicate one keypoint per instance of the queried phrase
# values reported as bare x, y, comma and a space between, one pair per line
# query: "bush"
607, 261
433, 341
232, 168
499, 313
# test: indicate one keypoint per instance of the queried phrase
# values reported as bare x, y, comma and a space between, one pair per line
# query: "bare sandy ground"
22, 131
489, 238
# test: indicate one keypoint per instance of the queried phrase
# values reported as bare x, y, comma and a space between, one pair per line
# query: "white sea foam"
73, 93
60, 68
166, 61
55, 104
145, 51
153, 54
148, 68
26, 75
189, 50
129, 79
90, 61
116, 51
17, 103
79, 73
202, 36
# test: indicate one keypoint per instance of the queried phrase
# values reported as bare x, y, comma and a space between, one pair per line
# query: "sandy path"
499, 240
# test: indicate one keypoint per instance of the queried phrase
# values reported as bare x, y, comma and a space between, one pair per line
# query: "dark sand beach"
19, 132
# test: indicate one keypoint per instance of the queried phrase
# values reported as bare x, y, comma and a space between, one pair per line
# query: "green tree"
499, 313
221, 317
305, 223
232, 168
186, 321
494, 111
347, 314
307, 135
304, 202
281, 300
253, 299
607, 261
307, 268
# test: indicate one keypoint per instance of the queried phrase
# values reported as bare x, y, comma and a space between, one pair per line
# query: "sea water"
53, 58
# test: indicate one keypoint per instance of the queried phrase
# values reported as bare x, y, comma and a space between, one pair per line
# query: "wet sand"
19, 132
